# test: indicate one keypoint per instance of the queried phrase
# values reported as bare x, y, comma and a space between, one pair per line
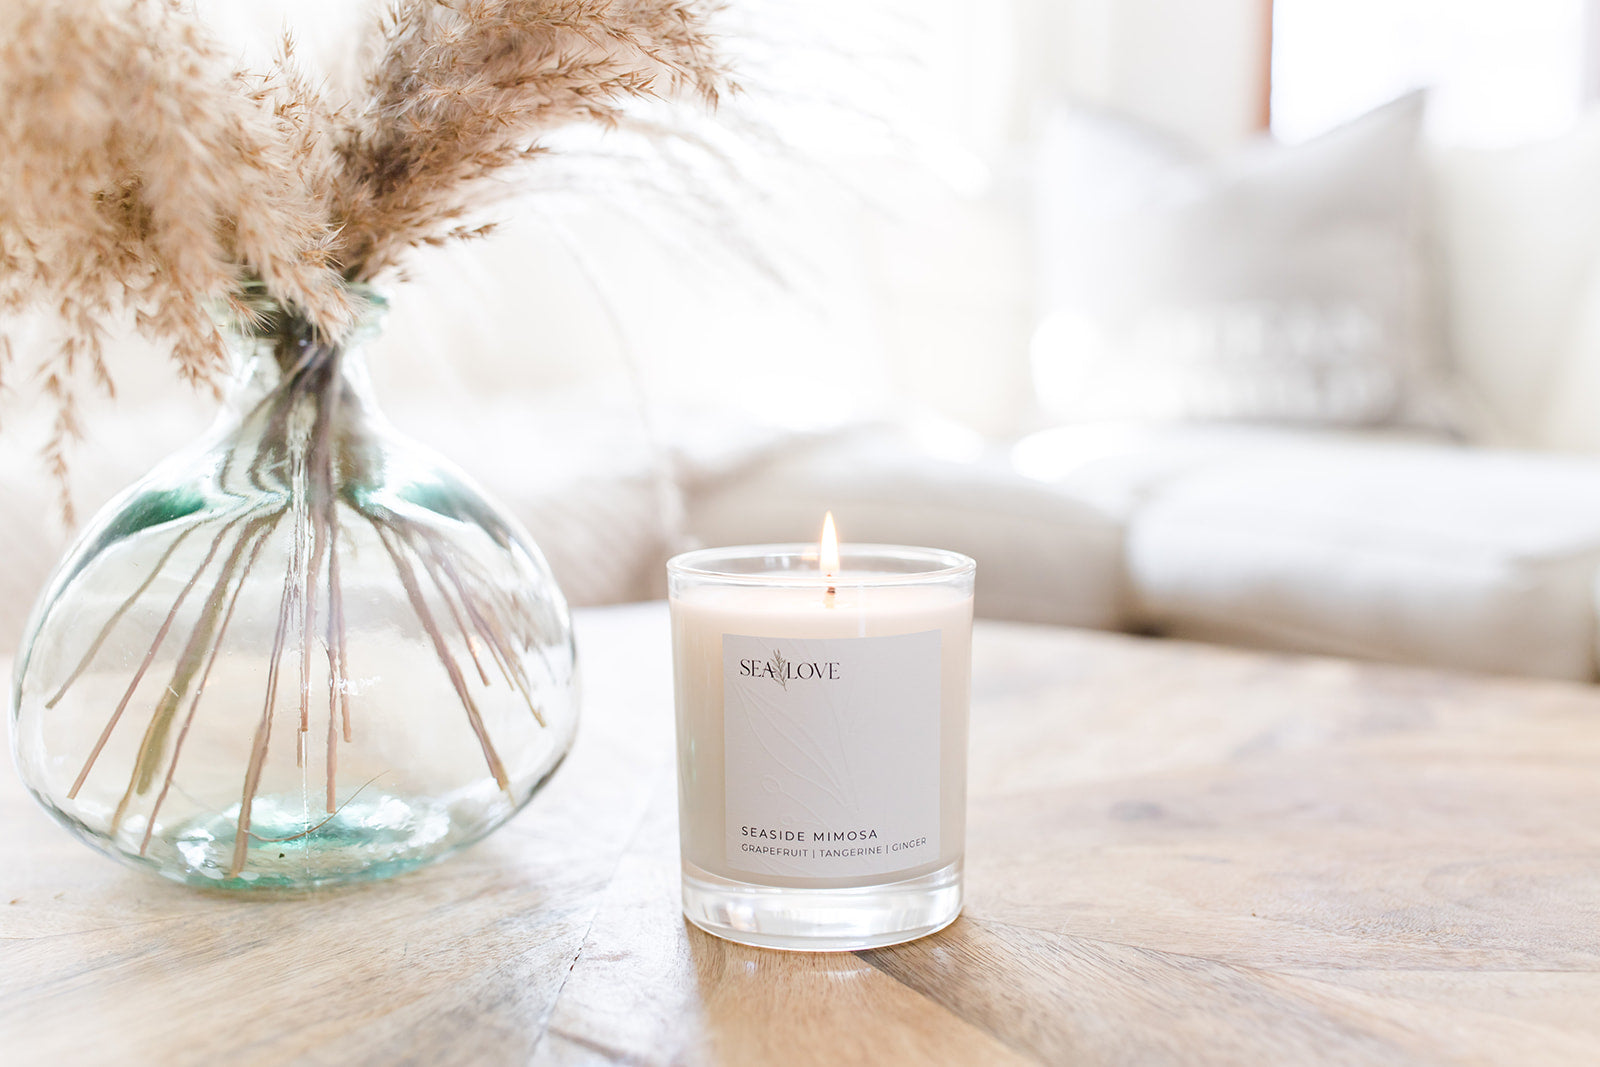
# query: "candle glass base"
822, 920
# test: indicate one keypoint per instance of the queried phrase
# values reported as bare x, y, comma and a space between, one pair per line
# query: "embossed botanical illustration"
780, 668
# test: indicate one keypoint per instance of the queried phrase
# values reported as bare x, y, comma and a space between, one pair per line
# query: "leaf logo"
780, 668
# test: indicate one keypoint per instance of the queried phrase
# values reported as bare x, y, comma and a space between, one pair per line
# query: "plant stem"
325, 534
200, 686
338, 668
499, 645
116, 616
149, 657
455, 615
263, 734
441, 648
315, 482
201, 642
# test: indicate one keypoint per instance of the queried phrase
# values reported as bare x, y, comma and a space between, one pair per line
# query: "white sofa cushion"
1118, 467
1279, 283
1043, 556
1468, 558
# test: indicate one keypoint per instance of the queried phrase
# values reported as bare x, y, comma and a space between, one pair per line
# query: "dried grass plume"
142, 175
458, 92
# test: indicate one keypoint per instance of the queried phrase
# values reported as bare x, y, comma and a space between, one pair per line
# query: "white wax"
701, 615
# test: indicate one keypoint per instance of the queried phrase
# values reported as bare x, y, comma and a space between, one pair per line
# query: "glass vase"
305, 651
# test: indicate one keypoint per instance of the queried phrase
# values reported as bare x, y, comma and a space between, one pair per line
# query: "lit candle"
822, 695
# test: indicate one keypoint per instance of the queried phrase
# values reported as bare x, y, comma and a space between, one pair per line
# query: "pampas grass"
142, 176
459, 92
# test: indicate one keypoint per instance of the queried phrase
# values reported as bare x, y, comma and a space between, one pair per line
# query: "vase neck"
257, 375
280, 351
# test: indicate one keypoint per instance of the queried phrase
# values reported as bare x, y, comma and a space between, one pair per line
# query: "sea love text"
787, 671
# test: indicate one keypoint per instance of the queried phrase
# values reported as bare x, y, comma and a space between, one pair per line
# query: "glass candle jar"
822, 741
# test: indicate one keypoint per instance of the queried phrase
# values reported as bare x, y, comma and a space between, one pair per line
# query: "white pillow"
1278, 284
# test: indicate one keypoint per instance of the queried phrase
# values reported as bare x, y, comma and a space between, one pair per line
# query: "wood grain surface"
1177, 854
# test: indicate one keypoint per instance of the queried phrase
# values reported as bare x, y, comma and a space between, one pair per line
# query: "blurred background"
1272, 322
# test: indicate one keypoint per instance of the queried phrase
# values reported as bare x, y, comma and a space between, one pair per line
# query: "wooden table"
1177, 854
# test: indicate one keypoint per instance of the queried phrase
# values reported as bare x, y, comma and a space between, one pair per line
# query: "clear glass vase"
306, 651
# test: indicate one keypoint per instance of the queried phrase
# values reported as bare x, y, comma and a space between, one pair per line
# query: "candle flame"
829, 554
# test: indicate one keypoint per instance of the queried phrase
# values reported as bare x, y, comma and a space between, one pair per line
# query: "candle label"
832, 754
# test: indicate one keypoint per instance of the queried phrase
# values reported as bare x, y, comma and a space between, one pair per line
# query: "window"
1500, 71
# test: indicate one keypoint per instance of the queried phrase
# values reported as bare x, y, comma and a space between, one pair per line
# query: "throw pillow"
1278, 284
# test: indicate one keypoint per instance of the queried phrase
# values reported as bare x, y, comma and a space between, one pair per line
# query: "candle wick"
829, 596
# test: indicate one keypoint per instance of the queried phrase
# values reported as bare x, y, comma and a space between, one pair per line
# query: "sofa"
1468, 542
1388, 547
